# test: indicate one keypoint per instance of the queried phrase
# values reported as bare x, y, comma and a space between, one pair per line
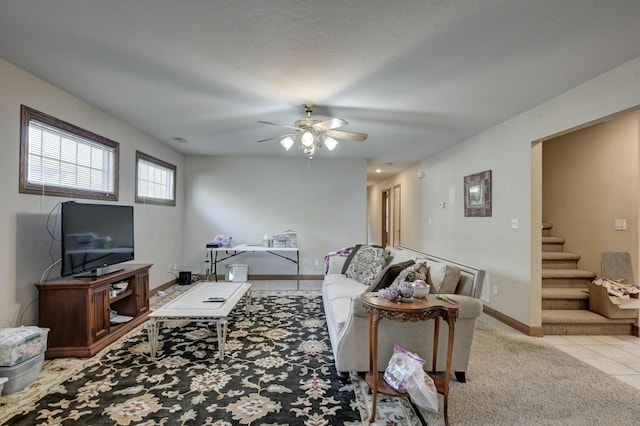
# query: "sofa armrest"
335, 264
357, 308
470, 307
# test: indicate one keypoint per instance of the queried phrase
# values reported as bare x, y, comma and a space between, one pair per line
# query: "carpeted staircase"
565, 298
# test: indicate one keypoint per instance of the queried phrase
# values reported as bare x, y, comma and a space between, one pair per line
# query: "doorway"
391, 217
386, 218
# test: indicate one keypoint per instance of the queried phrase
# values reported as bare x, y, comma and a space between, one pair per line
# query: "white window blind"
155, 181
62, 159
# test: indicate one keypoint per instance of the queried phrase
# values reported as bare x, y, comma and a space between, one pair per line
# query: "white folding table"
193, 305
229, 252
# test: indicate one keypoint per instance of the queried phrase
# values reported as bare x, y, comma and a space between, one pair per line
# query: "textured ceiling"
416, 75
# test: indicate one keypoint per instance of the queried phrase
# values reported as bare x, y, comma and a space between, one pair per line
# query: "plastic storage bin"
21, 375
238, 273
21, 343
3, 380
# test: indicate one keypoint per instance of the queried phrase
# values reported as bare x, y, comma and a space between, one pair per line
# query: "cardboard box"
600, 303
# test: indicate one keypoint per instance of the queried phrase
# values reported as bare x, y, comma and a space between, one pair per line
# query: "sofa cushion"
388, 275
443, 278
366, 264
417, 271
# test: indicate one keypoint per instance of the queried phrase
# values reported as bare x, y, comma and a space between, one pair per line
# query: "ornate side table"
416, 310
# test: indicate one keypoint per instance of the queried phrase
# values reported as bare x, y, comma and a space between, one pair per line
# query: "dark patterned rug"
278, 370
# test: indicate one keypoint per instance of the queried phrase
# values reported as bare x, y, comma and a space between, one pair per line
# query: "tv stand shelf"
77, 310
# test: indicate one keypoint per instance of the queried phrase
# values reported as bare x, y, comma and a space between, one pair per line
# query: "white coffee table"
191, 306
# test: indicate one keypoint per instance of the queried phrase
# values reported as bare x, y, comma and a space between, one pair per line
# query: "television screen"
95, 236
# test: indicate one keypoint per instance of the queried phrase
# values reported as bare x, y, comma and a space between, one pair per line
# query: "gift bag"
401, 366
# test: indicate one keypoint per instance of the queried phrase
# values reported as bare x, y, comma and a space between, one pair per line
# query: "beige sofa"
348, 322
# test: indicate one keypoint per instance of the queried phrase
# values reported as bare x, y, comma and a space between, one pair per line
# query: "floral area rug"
278, 370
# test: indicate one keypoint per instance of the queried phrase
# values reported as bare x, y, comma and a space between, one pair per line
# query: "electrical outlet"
317, 262
495, 290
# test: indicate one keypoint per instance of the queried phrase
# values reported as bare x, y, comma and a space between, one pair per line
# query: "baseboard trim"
522, 328
276, 277
162, 287
250, 277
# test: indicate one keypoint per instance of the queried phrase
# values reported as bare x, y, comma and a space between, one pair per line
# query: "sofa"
348, 321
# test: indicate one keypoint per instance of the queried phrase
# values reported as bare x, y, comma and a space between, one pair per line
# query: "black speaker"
184, 277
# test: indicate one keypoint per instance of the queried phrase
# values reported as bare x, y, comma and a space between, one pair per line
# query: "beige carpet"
518, 380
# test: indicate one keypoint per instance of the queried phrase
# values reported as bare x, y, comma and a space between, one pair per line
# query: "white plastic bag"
401, 366
422, 390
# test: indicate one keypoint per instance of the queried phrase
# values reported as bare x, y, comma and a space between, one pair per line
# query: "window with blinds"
155, 180
60, 159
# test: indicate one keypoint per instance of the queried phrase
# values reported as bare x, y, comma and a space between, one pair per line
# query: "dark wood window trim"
161, 163
25, 187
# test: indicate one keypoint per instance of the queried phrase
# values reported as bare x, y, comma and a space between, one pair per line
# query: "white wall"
24, 255
248, 197
490, 243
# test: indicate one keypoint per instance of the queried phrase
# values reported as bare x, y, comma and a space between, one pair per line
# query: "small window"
155, 181
63, 160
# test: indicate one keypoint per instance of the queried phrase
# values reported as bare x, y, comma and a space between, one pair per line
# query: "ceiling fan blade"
280, 125
352, 136
275, 137
331, 123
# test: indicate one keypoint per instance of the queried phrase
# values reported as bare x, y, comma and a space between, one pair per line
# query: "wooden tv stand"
77, 310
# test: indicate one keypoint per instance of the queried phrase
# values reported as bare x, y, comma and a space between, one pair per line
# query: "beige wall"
24, 240
411, 217
510, 256
248, 197
590, 178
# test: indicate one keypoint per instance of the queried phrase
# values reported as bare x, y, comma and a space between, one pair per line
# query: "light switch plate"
620, 225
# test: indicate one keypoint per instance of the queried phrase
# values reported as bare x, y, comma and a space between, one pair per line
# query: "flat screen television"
95, 237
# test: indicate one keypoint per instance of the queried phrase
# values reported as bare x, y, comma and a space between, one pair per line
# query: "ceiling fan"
314, 134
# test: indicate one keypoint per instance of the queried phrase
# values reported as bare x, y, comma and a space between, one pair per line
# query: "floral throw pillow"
367, 264
417, 271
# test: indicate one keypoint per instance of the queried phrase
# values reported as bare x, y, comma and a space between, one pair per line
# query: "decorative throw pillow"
367, 264
388, 275
417, 271
443, 278
346, 263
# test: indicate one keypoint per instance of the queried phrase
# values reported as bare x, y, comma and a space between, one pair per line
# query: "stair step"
546, 229
583, 322
559, 260
571, 278
554, 244
565, 298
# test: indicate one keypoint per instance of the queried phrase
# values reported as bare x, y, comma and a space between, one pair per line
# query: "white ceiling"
416, 75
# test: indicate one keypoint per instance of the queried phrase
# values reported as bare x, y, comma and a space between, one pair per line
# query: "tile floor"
618, 356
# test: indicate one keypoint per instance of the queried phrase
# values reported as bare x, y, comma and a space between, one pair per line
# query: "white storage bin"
21, 343
3, 380
21, 375
238, 273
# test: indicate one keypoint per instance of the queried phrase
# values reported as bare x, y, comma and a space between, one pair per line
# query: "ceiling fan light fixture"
287, 143
330, 143
307, 138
